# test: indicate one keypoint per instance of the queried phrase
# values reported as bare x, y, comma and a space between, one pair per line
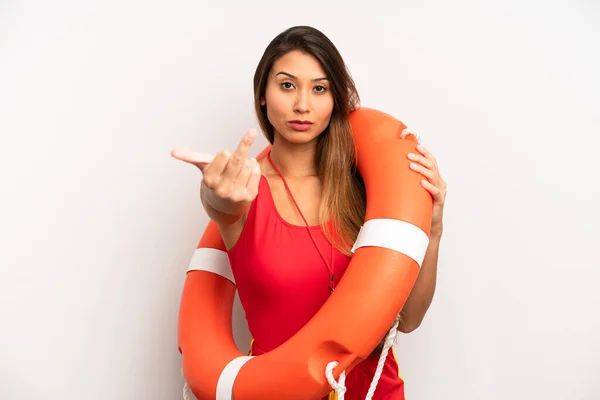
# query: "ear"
263, 101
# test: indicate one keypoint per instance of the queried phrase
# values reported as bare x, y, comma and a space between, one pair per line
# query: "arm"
420, 297
230, 222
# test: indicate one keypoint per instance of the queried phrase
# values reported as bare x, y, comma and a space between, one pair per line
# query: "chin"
299, 139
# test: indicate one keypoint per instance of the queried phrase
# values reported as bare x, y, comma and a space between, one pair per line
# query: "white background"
98, 223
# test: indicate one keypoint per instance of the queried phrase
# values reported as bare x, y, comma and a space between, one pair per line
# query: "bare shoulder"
265, 166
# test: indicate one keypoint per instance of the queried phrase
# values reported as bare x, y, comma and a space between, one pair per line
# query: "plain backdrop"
98, 222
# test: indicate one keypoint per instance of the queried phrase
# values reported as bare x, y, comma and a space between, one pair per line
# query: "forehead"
301, 65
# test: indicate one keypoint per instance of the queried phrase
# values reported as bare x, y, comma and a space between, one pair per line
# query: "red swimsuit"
282, 281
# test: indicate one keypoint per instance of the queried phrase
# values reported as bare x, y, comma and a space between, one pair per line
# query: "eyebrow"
293, 77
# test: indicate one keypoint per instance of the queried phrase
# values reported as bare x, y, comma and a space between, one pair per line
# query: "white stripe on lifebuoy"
212, 260
396, 235
227, 377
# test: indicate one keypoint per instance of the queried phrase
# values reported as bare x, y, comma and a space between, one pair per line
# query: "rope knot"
338, 386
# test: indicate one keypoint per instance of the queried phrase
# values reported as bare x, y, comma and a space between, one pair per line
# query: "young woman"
289, 221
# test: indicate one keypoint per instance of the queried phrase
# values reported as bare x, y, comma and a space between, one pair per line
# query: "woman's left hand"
425, 164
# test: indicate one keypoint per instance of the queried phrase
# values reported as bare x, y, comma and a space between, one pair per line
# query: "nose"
301, 104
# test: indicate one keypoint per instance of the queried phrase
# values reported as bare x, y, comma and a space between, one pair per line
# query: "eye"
320, 89
287, 85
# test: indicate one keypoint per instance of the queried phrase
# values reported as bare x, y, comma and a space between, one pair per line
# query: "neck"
295, 160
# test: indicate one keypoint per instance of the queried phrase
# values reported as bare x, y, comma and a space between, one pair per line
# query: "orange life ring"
387, 257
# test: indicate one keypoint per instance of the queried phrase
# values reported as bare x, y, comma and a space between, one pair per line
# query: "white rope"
389, 342
187, 392
339, 386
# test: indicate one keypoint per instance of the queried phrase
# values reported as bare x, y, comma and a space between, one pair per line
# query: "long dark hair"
344, 198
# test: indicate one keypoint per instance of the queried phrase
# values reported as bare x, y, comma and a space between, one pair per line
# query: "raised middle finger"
239, 156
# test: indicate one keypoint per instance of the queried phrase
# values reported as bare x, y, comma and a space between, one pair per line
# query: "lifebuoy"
387, 257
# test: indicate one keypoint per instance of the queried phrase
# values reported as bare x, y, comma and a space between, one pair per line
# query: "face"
298, 98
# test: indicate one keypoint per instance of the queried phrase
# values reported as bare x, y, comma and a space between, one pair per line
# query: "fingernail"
413, 165
411, 156
252, 134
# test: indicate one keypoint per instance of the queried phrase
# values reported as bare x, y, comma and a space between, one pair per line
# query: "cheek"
326, 108
276, 103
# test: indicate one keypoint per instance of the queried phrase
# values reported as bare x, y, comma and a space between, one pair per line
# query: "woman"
289, 221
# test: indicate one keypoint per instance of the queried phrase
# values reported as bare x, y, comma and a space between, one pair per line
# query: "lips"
301, 126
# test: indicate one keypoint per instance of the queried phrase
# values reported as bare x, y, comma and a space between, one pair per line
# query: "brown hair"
344, 198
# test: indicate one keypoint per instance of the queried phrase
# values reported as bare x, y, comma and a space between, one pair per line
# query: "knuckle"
245, 173
224, 154
235, 197
208, 181
235, 159
222, 192
251, 194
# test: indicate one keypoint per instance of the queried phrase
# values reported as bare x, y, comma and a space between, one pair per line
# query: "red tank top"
281, 278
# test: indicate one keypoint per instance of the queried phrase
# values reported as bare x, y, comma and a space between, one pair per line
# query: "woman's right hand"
230, 180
